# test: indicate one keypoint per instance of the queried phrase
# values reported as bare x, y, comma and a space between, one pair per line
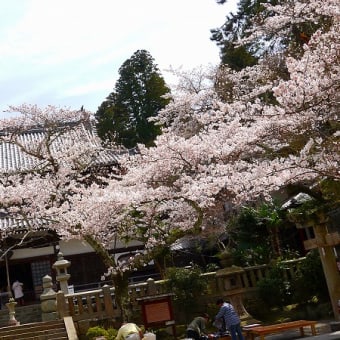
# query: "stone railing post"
48, 300
62, 307
152, 289
108, 301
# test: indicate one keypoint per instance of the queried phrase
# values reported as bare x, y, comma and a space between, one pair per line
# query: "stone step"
33, 326
36, 337
50, 330
29, 334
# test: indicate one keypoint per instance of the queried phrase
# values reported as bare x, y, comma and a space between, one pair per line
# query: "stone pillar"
152, 289
11, 307
62, 277
48, 300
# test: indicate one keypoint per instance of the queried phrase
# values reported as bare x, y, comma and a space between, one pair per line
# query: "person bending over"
196, 327
129, 331
231, 319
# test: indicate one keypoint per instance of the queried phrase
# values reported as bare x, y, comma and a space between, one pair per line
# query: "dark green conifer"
139, 94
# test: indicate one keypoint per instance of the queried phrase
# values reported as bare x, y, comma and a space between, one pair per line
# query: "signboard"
157, 311
71, 289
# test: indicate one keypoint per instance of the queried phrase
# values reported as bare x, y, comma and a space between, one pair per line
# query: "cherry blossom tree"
69, 187
240, 137
228, 138
64, 166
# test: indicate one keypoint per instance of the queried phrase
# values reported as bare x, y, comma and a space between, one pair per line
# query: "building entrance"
21, 272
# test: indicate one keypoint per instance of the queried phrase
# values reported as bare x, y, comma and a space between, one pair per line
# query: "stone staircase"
48, 330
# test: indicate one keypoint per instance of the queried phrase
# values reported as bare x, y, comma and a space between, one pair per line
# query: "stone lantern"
11, 307
62, 277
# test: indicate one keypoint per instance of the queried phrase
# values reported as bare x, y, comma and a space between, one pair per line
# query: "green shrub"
97, 331
252, 256
274, 290
112, 333
187, 284
212, 267
310, 274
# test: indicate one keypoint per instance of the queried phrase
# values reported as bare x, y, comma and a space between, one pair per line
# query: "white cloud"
53, 51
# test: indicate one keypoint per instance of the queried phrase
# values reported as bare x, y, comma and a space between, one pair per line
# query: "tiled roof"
9, 223
12, 159
15, 233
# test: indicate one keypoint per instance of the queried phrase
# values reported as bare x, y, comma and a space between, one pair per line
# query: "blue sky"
67, 52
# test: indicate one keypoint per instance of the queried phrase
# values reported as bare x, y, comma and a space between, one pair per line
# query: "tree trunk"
119, 278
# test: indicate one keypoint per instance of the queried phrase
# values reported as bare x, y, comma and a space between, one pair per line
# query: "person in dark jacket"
230, 319
196, 328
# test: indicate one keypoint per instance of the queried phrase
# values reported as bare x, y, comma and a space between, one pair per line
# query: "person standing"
129, 331
196, 327
18, 292
230, 318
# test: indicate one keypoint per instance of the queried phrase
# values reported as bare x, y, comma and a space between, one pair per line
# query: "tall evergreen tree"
249, 17
139, 94
235, 27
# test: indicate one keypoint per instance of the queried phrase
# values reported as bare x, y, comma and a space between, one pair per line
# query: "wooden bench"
262, 331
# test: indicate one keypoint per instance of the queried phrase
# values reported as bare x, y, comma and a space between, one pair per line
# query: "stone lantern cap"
61, 262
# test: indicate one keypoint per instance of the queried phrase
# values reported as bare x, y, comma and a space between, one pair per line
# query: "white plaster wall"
71, 247
31, 252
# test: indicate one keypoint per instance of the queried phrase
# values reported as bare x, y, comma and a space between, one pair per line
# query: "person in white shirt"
18, 292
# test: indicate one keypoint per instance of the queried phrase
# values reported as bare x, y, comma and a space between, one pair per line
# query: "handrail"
90, 304
70, 328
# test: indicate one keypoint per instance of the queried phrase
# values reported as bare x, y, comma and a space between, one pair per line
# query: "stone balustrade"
92, 304
233, 283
